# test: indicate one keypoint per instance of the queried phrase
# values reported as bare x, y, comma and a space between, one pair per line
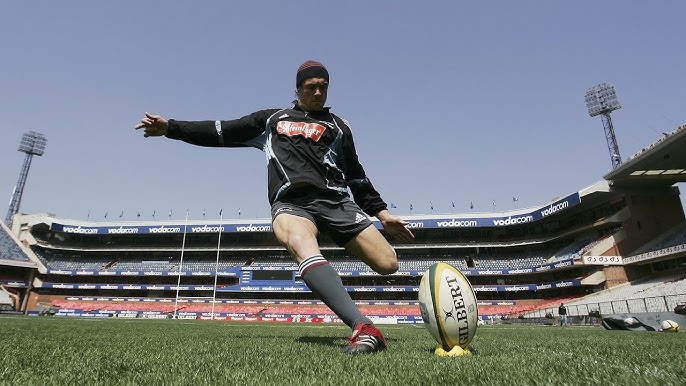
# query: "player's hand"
395, 226
153, 125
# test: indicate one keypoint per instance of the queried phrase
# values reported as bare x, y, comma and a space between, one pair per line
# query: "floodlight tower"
602, 100
32, 143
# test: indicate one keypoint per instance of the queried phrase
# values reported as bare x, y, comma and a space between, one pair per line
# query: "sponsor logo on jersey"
313, 131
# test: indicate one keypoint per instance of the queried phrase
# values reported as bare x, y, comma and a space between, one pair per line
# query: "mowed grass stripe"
38, 351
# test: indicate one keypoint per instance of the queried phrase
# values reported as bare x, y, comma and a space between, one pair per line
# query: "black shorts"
333, 213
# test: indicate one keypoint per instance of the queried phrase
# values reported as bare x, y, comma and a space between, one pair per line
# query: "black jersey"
303, 149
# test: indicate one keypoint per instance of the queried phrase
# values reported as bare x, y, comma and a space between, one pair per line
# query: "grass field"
69, 351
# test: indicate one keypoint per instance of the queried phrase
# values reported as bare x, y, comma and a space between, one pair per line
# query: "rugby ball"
448, 306
670, 326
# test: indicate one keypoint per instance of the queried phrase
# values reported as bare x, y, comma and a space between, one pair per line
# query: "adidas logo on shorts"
283, 210
359, 217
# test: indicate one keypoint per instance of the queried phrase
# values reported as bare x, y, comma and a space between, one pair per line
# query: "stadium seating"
653, 294
64, 261
575, 249
249, 309
489, 259
7, 299
676, 237
311, 309
673, 285
9, 250
495, 257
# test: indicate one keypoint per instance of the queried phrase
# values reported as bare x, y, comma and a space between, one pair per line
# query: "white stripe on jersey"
218, 128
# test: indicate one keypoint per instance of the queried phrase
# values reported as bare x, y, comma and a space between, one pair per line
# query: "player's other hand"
395, 226
153, 125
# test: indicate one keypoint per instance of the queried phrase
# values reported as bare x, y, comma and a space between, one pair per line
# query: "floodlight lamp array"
601, 99
33, 143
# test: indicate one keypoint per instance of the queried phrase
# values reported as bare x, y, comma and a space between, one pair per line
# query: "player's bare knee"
387, 267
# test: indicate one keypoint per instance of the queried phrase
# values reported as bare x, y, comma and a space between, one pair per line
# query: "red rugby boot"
365, 339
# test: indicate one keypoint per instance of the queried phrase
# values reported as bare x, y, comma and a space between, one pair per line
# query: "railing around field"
589, 313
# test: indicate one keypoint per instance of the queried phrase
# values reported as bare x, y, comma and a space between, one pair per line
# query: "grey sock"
326, 284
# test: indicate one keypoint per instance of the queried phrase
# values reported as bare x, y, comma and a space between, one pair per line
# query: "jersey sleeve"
241, 132
364, 193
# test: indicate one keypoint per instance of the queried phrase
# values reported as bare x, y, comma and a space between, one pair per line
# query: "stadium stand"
76, 258
8, 300
653, 294
16, 270
607, 236
674, 237
9, 248
77, 264
674, 285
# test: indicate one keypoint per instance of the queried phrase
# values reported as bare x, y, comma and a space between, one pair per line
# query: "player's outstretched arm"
153, 125
395, 226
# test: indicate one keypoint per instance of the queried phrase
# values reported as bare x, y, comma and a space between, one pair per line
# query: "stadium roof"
661, 164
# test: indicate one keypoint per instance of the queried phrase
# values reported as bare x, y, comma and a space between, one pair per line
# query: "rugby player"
312, 169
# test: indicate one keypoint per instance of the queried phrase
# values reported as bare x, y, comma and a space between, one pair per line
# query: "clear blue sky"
449, 101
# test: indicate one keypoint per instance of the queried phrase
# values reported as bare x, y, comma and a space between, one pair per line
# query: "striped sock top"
311, 262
